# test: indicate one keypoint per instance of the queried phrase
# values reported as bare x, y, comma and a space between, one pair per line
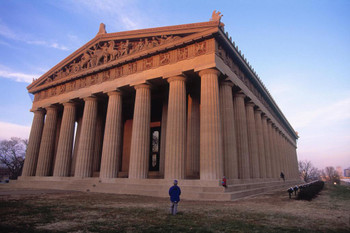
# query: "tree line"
308, 172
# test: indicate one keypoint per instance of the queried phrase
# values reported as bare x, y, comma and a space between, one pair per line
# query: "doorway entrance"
154, 156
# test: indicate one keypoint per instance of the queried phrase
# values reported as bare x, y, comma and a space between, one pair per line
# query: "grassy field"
60, 211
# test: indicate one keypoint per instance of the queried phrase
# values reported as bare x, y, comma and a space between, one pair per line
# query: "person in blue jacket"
174, 193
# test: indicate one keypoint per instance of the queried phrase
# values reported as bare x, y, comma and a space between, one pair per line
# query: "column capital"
250, 104
51, 108
227, 83
177, 77
258, 110
239, 94
264, 117
38, 110
92, 97
209, 71
115, 92
143, 85
69, 104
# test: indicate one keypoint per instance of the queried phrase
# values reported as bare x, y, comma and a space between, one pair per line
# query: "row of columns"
234, 137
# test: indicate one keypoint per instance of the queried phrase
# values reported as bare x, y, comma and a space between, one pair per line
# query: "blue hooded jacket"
174, 193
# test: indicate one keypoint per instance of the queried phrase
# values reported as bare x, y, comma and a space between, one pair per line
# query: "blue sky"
300, 49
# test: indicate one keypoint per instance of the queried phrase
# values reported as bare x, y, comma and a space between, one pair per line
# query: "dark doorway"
155, 149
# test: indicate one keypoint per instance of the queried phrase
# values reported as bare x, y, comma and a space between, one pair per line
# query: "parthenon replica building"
130, 111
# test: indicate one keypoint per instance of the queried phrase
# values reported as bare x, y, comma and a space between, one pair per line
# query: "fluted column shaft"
96, 164
261, 145
163, 136
228, 131
65, 141
32, 153
286, 160
176, 129
252, 141
76, 145
47, 145
85, 154
290, 160
111, 151
241, 135
279, 149
289, 170
295, 157
193, 138
275, 147
285, 170
211, 160
140, 139
267, 147
272, 149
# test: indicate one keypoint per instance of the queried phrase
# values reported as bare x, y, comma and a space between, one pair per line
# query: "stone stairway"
191, 189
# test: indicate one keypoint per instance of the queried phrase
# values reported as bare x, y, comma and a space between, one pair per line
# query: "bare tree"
12, 153
330, 174
307, 171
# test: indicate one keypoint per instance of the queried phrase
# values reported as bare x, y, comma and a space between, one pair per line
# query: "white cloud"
8, 130
124, 13
17, 76
28, 39
328, 114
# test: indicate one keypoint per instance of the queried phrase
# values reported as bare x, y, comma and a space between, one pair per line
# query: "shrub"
310, 190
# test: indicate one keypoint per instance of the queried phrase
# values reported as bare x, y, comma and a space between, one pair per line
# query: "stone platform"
191, 189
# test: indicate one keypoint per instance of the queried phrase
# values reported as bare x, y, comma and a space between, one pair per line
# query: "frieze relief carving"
229, 62
179, 54
106, 51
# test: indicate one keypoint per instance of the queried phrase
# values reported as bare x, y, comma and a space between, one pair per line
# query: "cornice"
195, 32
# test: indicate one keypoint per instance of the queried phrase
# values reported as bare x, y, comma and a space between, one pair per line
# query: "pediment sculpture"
104, 52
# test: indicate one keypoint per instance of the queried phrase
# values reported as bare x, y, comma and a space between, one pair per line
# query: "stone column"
284, 155
111, 151
211, 160
290, 165
279, 149
295, 158
272, 149
193, 137
252, 141
241, 135
288, 162
228, 131
176, 129
276, 145
47, 145
140, 139
65, 141
261, 146
279, 143
275, 149
267, 147
286, 158
163, 125
32, 153
76, 145
83, 167
96, 164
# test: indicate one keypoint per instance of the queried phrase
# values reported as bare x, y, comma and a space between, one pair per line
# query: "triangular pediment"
111, 49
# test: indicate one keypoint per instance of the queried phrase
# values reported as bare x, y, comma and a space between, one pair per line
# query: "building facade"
178, 102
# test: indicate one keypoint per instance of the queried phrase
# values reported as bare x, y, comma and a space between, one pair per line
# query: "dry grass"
61, 211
